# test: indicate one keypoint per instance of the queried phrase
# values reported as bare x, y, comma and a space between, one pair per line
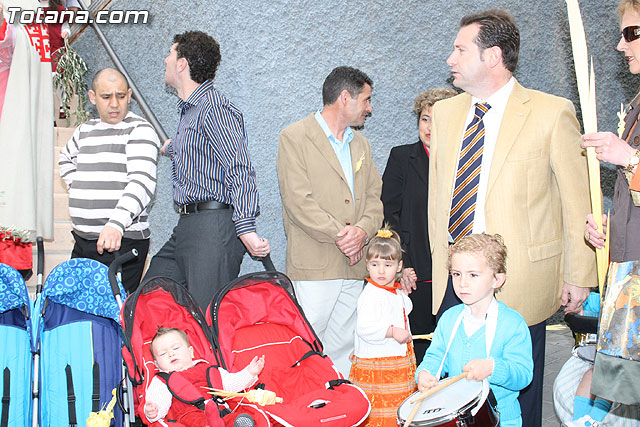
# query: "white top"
159, 393
377, 310
492, 121
472, 324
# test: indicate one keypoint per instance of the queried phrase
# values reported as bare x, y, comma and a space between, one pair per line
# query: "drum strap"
491, 324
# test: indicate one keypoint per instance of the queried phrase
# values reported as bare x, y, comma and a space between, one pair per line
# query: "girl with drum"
617, 362
467, 338
384, 363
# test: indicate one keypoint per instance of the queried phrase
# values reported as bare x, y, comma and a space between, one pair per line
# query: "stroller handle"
115, 266
40, 245
40, 265
267, 263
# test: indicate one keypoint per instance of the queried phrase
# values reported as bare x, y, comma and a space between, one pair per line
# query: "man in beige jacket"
330, 191
532, 187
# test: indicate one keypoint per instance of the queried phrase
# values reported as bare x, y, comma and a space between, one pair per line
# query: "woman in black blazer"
405, 184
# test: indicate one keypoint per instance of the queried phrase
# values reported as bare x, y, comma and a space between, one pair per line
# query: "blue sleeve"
513, 363
592, 304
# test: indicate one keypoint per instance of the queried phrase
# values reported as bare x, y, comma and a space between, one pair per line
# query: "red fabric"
3, 29
15, 253
282, 349
261, 318
302, 384
391, 289
189, 385
344, 406
152, 310
261, 302
158, 308
55, 36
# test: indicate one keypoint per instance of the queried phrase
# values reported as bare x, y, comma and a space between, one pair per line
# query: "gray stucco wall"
276, 54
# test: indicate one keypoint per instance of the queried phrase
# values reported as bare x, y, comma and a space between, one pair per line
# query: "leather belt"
201, 206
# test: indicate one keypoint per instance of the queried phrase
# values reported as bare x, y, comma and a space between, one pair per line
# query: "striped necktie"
465, 193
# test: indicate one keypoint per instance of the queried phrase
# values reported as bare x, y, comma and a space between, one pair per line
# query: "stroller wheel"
244, 420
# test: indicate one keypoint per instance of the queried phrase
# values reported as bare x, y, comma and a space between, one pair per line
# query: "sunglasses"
631, 33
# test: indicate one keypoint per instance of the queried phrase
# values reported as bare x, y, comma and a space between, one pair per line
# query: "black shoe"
244, 420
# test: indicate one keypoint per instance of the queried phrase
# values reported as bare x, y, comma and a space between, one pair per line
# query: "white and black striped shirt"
111, 174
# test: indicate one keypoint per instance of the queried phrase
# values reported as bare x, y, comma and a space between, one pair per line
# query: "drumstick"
423, 337
418, 400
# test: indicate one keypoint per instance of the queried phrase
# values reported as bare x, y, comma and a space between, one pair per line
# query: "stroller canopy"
256, 298
83, 284
13, 291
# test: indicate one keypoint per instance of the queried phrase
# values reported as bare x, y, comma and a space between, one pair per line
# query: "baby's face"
171, 352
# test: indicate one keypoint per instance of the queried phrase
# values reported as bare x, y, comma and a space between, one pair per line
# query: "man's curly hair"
202, 53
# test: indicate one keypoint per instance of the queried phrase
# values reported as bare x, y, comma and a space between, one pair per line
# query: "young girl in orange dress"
384, 363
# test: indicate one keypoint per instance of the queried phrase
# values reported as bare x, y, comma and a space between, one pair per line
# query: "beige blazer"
537, 198
317, 202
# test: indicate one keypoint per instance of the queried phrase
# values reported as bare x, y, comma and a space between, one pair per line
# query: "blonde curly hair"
430, 97
491, 246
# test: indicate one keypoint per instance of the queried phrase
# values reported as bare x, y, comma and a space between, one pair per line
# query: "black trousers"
531, 397
131, 271
420, 318
203, 254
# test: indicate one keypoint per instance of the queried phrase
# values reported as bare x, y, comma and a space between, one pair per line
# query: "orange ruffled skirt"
387, 381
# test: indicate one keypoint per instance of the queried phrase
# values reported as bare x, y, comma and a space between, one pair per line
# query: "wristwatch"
633, 161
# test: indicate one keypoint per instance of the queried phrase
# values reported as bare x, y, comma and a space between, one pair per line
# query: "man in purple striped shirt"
214, 184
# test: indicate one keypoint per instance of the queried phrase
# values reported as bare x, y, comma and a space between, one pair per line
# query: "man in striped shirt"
109, 165
214, 183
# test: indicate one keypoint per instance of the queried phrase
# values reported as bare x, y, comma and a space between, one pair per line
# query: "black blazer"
405, 183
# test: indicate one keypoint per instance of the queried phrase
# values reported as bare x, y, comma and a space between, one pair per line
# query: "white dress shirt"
492, 121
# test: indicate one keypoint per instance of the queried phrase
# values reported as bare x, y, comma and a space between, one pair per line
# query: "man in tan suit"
532, 187
330, 192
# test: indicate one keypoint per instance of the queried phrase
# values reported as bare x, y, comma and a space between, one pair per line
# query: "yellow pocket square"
359, 162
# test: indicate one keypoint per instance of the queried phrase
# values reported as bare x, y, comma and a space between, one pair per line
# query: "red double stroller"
254, 315
164, 302
258, 314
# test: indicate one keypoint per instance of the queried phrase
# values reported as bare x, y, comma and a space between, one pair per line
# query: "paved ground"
558, 350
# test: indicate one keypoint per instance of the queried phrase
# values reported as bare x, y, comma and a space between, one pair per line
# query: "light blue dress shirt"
341, 148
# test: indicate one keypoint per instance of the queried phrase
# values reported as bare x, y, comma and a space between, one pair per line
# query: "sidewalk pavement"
557, 352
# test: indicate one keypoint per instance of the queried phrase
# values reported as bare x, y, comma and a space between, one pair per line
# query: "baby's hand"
426, 380
150, 410
478, 369
256, 365
401, 335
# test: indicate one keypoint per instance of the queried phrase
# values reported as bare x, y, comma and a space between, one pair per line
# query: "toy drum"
585, 352
452, 406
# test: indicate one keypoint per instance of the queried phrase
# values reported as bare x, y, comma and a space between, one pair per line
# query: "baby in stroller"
172, 354
161, 302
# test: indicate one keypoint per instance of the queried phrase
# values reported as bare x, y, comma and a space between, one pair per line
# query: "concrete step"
59, 186
62, 238
51, 259
62, 135
63, 122
61, 207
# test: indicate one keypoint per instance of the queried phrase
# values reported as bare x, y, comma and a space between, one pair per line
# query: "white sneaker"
585, 421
